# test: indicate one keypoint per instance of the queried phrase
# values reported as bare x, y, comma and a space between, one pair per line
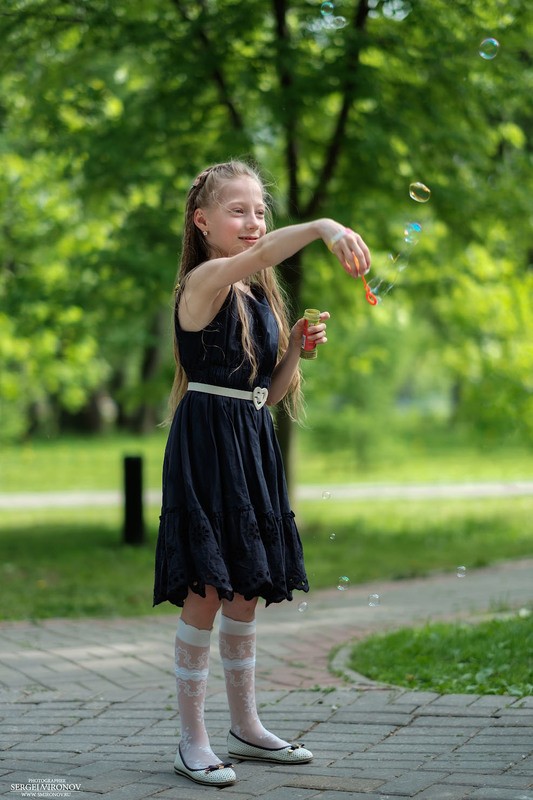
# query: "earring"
204, 233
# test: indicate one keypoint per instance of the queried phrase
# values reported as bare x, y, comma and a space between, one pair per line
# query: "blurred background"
108, 110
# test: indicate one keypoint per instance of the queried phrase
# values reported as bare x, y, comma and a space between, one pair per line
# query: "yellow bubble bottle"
308, 348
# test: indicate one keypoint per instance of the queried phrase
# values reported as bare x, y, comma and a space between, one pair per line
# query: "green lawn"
71, 562
96, 462
403, 539
76, 463
492, 657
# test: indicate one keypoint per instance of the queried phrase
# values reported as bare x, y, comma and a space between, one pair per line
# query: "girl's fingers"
368, 257
354, 254
317, 333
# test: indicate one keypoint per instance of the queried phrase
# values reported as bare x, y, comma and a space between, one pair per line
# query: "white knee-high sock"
192, 668
237, 650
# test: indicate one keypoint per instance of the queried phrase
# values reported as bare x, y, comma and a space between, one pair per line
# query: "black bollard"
133, 500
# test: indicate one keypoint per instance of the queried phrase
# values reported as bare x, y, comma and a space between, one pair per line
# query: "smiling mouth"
249, 238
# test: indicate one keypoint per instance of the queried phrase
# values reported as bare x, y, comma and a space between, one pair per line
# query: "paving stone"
512, 721
113, 779
459, 700
446, 721
351, 796
280, 793
98, 703
95, 768
415, 698
441, 792
410, 784
331, 782
500, 794
506, 781
523, 702
489, 767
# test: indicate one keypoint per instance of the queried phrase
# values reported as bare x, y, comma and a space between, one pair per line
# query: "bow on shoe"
296, 746
217, 766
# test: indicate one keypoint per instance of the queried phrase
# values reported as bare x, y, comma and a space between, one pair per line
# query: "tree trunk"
286, 433
144, 420
291, 276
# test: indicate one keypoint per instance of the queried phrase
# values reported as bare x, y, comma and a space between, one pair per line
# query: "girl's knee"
239, 609
201, 611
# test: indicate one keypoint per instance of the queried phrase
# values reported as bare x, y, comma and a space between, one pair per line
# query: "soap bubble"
460, 572
339, 22
343, 583
373, 600
326, 9
488, 49
412, 232
302, 607
326, 495
332, 536
380, 288
419, 192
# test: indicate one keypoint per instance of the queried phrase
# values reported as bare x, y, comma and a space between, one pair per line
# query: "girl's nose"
252, 221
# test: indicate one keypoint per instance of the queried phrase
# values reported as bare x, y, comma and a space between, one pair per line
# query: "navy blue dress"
226, 520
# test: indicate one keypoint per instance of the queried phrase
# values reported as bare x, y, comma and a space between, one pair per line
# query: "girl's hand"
316, 333
350, 249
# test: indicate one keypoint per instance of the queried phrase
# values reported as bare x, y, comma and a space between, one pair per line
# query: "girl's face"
237, 221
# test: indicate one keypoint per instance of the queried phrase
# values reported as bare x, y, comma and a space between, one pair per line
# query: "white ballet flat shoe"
291, 754
216, 775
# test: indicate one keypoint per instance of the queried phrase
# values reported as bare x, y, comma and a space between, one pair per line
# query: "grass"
57, 566
491, 657
78, 463
72, 563
412, 456
403, 539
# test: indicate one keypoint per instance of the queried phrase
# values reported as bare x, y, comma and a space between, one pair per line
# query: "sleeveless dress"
226, 520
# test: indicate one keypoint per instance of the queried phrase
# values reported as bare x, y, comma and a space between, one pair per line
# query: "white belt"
258, 396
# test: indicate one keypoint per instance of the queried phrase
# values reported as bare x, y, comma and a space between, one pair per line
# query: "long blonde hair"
204, 193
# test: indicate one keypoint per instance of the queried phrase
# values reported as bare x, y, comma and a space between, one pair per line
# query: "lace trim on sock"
196, 675
238, 663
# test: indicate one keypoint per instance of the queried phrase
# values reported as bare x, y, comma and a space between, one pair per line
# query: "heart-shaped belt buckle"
259, 397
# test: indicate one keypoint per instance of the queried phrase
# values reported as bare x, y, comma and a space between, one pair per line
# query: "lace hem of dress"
255, 555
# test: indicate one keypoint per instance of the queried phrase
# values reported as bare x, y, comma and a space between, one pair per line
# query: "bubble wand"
369, 295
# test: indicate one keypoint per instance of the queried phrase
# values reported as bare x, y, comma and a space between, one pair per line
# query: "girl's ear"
199, 219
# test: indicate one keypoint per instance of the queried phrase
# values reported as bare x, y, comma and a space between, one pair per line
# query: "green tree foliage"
108, 110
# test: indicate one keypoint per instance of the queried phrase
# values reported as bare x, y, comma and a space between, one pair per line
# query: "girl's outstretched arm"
208, 284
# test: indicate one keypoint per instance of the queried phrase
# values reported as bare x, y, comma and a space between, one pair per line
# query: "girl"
227, 534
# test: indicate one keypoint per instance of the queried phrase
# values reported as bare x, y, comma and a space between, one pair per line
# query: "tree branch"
286, 82
334, 148
218, 75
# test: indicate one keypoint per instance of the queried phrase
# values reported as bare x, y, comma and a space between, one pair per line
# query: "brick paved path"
92, 702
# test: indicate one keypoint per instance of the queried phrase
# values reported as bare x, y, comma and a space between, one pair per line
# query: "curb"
338, 666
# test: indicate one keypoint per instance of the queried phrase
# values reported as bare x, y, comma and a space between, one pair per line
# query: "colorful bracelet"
334, 239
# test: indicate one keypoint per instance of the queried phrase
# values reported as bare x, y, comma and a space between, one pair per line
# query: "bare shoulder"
200, 300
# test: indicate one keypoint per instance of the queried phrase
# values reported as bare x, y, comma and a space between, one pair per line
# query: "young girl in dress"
227, 533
